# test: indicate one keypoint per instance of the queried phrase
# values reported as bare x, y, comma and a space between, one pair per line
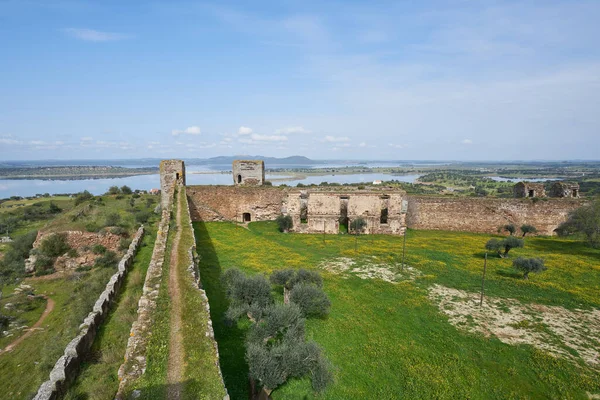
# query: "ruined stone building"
248, 172
386, 210
529, 189
564, 189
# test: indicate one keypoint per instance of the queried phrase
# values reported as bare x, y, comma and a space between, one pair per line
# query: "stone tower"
172, 172
248, 172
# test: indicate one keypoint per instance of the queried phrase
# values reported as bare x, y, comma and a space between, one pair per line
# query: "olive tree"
284, 223
503, 246
358, 225
528, 265
510, 228
277, 350
288, 278
526, 228
247, 295
584, 220
312, 300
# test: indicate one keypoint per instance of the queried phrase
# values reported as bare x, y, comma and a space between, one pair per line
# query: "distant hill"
293, 160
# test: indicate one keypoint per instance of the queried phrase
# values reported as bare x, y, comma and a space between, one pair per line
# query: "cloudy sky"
461, 80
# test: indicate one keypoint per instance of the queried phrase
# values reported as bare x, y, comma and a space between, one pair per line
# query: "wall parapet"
67, 367
194, 271
135, 354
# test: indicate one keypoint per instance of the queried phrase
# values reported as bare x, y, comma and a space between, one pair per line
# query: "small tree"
288, 278
585, 220
284, 223
83, 196
525, 229
527, 265
506, 244
114, 190
247, 295
312, 300
358, 225
112, 219
55, 245
510, 228
126, 189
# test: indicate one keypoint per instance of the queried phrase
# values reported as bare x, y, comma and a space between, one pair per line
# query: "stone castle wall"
485, 215
229, 203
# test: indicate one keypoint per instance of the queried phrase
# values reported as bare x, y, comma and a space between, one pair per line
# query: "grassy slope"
389, 341
98, 376
29, 364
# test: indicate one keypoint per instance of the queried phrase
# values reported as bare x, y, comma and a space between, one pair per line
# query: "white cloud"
362, 144
37, 142
91, 35
244, 130
190, 130
87, 138
397, 146
467, 141
336, 139
9, 141
268, 138
291, 130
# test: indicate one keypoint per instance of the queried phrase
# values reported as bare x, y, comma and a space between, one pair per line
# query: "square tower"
248, 172
172, 172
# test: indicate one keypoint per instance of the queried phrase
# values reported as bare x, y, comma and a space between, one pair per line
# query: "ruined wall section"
485, 215
230, 203
248, 172
172, 173
322, 211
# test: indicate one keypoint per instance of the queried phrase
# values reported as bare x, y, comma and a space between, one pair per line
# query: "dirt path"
49, 308
176, 360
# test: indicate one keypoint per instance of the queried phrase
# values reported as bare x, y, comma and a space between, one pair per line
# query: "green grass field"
389, 340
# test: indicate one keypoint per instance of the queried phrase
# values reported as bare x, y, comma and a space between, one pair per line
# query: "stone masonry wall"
248, 172
229, 203
485, 215
135, 354
67, 367
172, 173
195, 276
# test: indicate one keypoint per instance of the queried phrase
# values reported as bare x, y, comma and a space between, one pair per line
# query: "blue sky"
462, 80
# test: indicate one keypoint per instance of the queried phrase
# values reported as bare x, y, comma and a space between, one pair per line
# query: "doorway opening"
531, 193
246, 217
239, 178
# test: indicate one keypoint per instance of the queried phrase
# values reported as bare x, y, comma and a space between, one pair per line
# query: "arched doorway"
246, 217
239, 178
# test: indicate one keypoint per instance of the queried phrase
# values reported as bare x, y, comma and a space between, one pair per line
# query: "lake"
31, 187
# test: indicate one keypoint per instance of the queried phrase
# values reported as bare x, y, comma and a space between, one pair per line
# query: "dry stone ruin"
248, 172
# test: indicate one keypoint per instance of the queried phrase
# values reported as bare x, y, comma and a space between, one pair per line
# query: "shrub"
141, 217
126, 189
112, 219
247, 295
284, 223
119, 230
72, 253
311, 300
525, 229
98, 249
528, 265
124, 244
510, 228
54, 245
584, 220
92, 227
358, 225
107, 260
83, 196
113, 190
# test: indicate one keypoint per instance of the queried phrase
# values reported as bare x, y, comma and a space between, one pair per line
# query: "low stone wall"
195, 275
66, 368
135, 354
486, 215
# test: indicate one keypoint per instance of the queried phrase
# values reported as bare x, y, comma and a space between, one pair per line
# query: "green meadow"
388, 339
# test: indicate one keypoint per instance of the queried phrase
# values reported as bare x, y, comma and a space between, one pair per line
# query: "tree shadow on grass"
509, 273
230, 339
